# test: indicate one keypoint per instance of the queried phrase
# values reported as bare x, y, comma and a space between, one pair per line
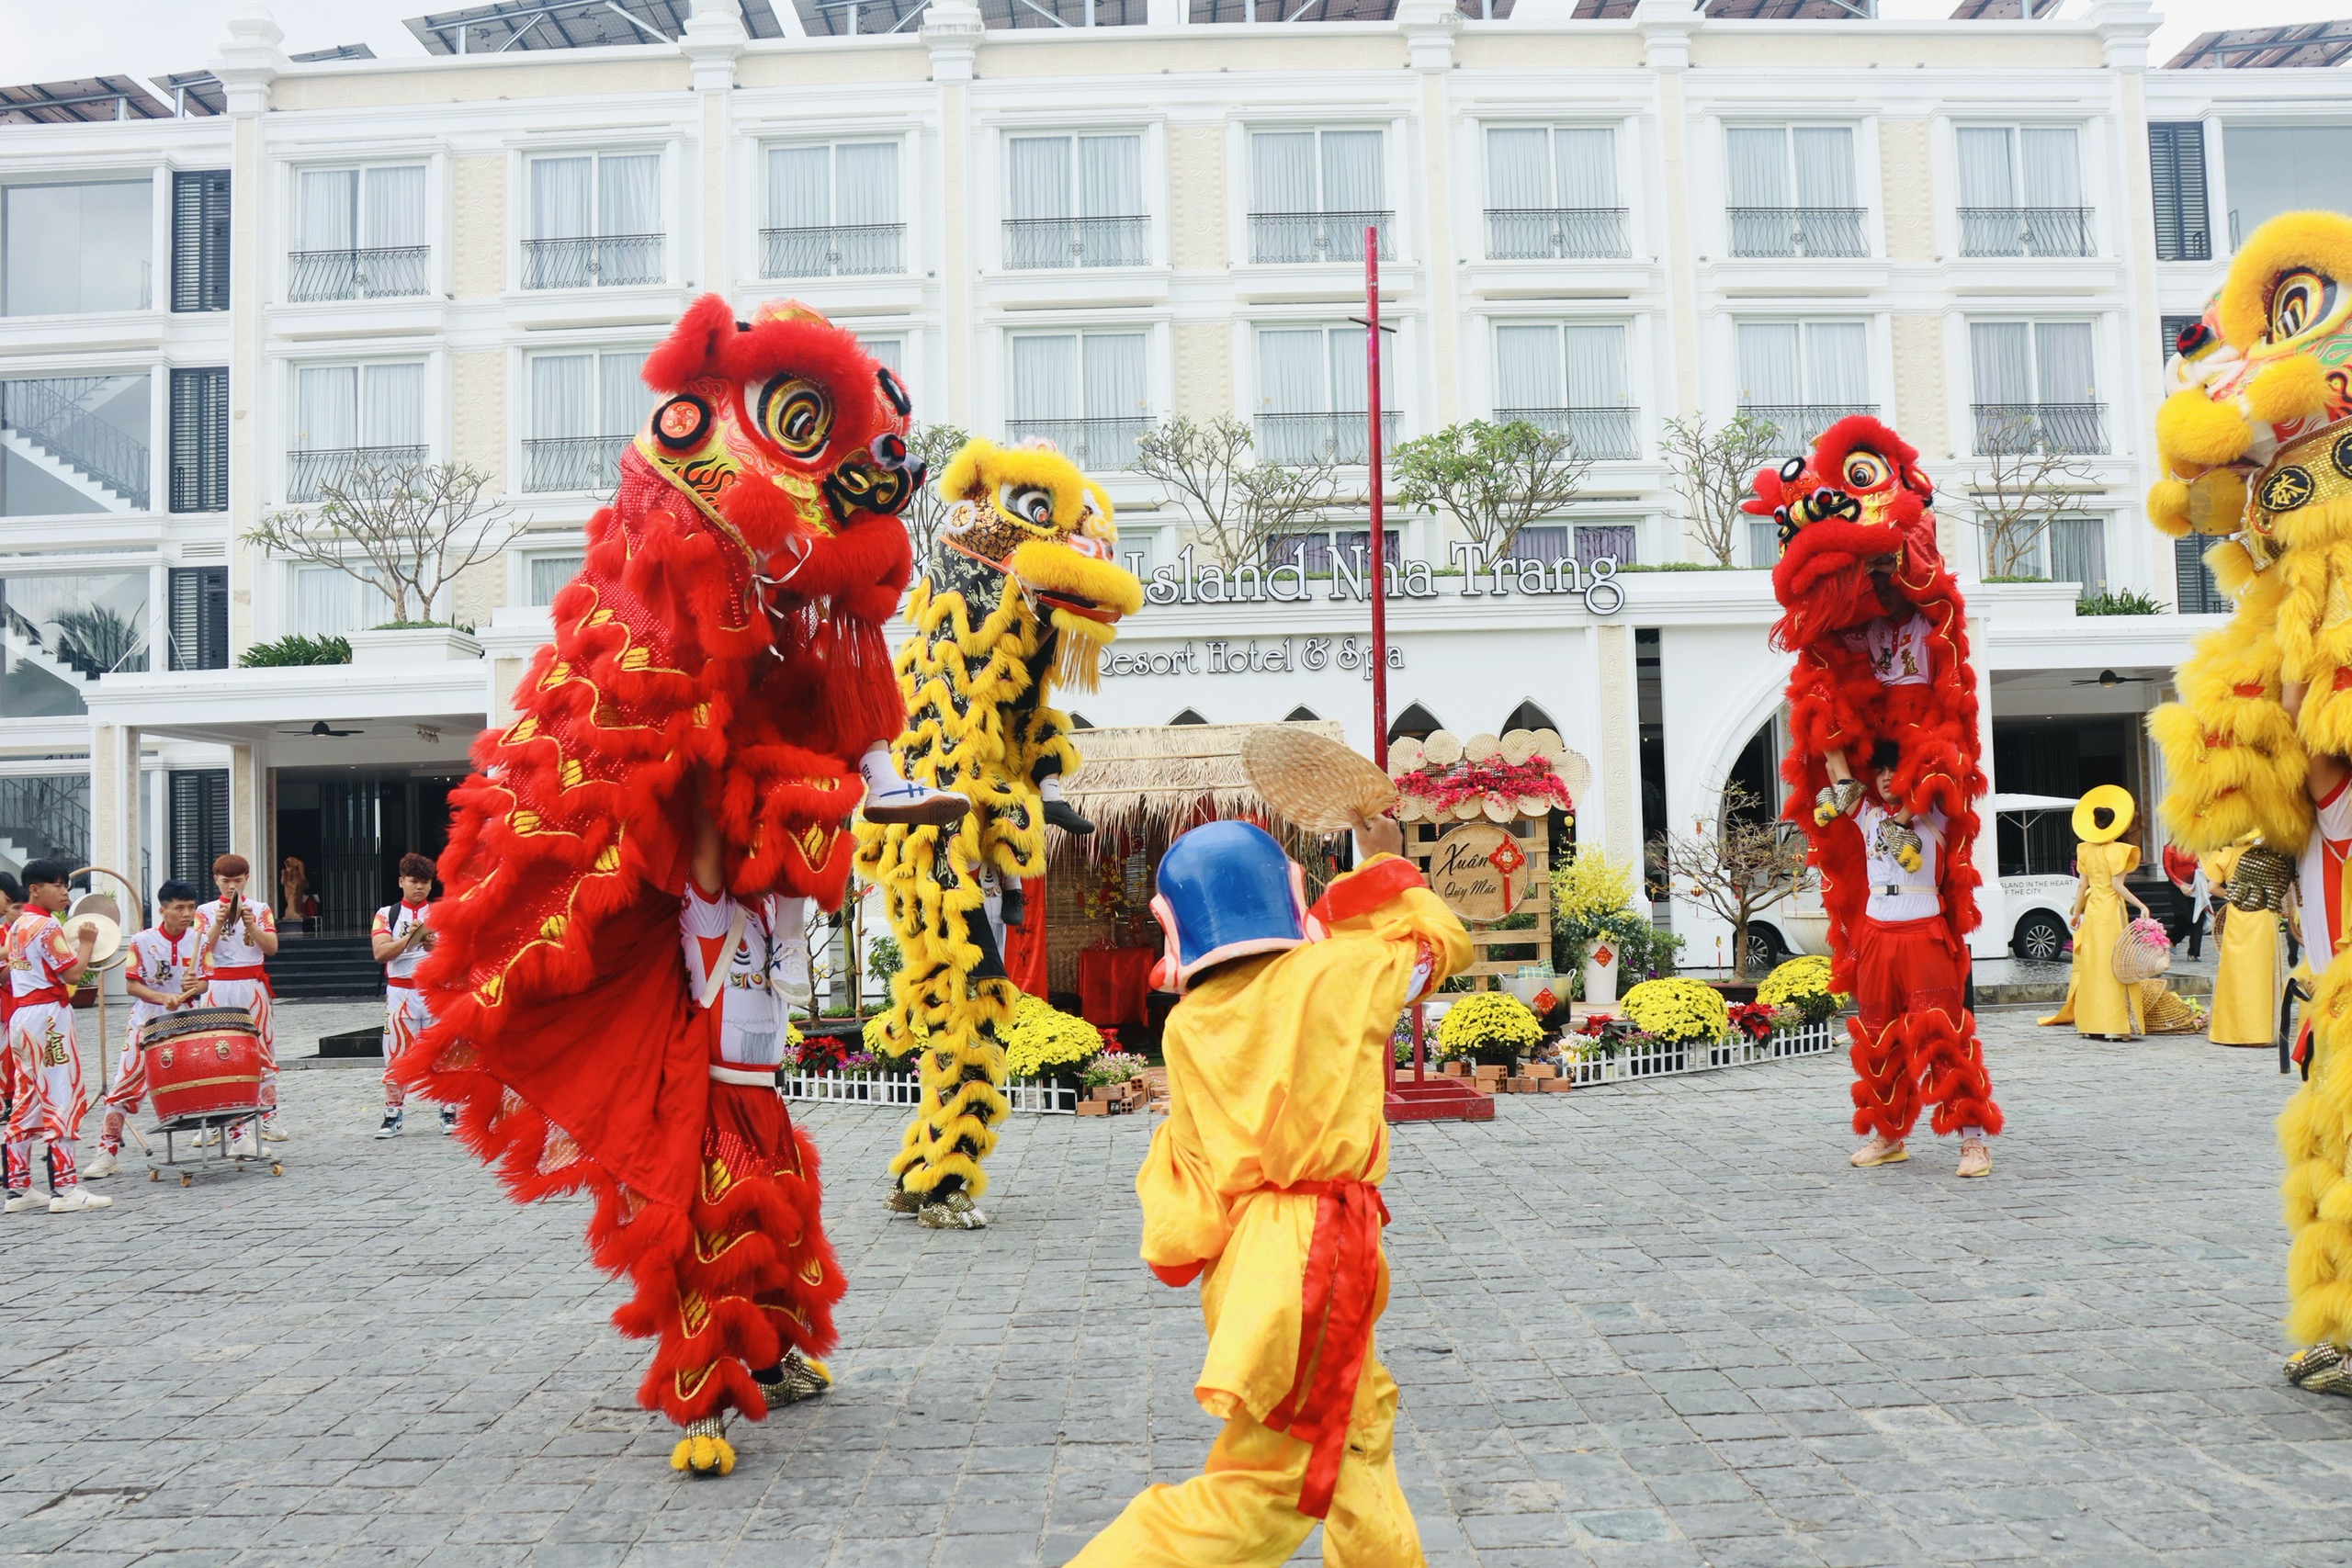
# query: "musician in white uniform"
401, 939
240, 936
42, 969
162, 977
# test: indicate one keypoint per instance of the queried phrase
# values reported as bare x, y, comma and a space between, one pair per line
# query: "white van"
2037, 907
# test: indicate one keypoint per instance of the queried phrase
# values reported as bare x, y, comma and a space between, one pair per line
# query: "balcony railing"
1315, 236
1555, 233
849, 250
309, 475
1038, 242
1799, 423
573, 462
380, 273
2003, 428
1798, 232
604, 261
2025, 232
1297, 440
1105, 444
1591, 432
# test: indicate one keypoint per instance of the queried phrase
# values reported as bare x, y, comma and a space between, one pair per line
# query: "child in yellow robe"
1263, 1184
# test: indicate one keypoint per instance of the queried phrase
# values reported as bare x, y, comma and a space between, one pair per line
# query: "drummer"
42, 967
240, 935
401, 939
162, 978
12, 900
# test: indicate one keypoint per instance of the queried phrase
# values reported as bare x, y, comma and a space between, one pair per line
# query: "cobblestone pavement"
1643, 1325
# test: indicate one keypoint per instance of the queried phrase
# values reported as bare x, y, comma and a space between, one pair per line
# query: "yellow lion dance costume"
2256, 441
1022, 592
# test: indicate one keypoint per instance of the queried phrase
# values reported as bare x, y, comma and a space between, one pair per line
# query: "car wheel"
2040, 938
1764, 950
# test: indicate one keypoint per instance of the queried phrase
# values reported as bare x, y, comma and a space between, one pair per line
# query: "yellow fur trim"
1063, 569
2168, 506
2192, 429
2322, 241
2288, 389
2232, 566
980, 468
2217, 502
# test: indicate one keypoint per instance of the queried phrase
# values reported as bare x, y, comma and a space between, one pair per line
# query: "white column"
115, 826
952, 30
250, 817
246, 66
714, 38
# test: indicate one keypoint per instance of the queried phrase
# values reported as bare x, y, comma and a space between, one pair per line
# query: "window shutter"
200, 824
200, 608
2177, 176
200, 240
200, 440
2195, 589
2173, 327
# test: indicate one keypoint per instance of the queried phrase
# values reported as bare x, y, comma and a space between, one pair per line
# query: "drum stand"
221, 1159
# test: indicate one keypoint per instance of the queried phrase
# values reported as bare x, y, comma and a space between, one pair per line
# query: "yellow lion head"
1029, 514
2256, 435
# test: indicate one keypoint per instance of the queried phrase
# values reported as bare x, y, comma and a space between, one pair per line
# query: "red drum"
203, 1062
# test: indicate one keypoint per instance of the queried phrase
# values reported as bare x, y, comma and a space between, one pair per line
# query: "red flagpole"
1379, 533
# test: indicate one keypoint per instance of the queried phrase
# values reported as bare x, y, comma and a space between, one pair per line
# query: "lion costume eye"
796, 413
1032, 504
2300, 301
1865, 470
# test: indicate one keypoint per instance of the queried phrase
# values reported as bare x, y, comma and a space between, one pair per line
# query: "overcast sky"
42, 40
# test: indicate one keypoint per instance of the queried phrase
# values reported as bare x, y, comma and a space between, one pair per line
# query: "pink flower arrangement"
1444, 788
2150, 932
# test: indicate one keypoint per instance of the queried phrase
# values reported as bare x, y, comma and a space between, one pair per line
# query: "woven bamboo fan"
2139, 956
1320, 784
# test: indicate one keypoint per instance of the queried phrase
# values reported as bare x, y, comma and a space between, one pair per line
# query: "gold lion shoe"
901, 1201
958, 1214
1879, 1151
794, 1378
705, 1450
2322, 1361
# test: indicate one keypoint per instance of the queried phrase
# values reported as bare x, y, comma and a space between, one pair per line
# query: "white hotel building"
1072, 218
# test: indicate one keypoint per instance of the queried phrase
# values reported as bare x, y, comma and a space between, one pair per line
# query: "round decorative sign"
1480, 871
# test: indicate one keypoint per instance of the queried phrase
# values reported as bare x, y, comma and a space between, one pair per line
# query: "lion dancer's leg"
2315, 1135
1887, 1079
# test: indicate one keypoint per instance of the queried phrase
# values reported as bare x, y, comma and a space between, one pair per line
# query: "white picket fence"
1032, 1095
1658, 1059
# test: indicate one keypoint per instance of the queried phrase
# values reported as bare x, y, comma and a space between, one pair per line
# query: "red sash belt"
1342, 1276
399, 983
57, 994
244, 972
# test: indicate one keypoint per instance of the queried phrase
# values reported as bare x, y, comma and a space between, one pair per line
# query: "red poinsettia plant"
1444, 788
1755, 1019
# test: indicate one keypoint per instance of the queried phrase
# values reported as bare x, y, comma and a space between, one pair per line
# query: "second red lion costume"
1879, 631
720, 654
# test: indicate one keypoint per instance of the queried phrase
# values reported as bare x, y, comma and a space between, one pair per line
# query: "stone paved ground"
1648, 1325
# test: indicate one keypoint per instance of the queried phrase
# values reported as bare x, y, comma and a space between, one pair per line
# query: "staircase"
313, 966
50, 425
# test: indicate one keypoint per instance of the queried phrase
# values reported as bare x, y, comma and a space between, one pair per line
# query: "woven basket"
2137, 959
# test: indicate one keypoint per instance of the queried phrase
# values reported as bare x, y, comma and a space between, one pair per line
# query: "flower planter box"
1661, 1059
900, 1087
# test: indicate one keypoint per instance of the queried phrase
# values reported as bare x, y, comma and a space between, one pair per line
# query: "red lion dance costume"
1878, 628
721, 653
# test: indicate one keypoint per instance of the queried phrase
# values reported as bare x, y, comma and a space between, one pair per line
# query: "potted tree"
1593, 918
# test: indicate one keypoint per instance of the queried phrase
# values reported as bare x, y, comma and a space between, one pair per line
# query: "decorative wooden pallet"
1532, 835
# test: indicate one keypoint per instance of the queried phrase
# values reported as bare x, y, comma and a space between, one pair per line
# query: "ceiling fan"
2109, 680
322, 728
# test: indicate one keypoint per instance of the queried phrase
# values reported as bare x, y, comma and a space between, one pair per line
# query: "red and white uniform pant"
405, 1019
45, 1067
1914, 1039
252, 994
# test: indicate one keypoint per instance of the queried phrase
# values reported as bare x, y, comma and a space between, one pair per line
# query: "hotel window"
890, 351
200, 813
1792, 191
1086, 392
1567, 378
833, 211
595, 221
1311, 396
354, 422
1803, 376
1552, 193
2176, 184
2021, 191
2270, 169
329, 601
585, 410
1075, 201
200, 439
2197, 592
548, 574
2069, 550
200, 240
2035, 388
66, 630
74, 444
76, 249
1314, 193
359, 233
200, 617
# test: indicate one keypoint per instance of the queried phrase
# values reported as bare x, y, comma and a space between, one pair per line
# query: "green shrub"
294, 649
2123, 602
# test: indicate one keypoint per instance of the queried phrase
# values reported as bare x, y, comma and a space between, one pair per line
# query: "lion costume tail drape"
721, 651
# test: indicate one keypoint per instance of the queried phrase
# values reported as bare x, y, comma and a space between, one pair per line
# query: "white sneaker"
19, 1202
448, 1121
99, 1170
919, 805
73, 1200
242, 1144
272, 1131
392, 1127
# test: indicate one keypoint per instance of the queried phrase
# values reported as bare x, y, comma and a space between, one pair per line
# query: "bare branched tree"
1239, 505
406, 528
2028, 483
1492, 479
936, 445
1712, 471
1747, 864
